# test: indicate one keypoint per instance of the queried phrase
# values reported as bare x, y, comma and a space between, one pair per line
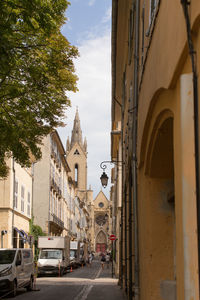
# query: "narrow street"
84, 283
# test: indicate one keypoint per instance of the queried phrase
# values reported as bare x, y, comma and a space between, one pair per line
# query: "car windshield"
7, 256
72, 253
47, 254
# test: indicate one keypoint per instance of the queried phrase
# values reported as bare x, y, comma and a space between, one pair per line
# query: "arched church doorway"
101, 242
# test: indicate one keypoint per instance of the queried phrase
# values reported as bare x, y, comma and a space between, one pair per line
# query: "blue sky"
89, 28
86, 18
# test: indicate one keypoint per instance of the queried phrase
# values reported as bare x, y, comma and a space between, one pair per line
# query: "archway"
158, 208
101, 242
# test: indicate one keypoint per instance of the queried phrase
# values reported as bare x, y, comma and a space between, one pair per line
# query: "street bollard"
59, 269
34, 278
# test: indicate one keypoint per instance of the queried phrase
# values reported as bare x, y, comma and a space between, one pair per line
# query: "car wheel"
14, 289
30, 285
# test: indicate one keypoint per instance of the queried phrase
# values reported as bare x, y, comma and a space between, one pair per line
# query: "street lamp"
104, 177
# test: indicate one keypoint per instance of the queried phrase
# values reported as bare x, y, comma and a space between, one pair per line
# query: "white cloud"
107, 16
94, 102
91, 2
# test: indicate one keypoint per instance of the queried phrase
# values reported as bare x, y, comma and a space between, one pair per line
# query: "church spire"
76, 132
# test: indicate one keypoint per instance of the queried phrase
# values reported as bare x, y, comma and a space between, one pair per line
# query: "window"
22, 198
15, 194
28, 204
59, 180
52, 203
70, 225
26, 256
59, 210
15, 239
76, 174
101, 204
52, 171
100, 220
55, 206
76, 152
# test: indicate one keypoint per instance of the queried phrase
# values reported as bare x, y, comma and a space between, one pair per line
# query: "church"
99, 209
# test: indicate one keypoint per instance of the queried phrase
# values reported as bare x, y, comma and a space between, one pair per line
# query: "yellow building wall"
165, 148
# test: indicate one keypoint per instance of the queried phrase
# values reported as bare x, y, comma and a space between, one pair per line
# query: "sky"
88, 27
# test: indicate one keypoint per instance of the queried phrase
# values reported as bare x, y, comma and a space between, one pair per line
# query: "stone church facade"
102, 223
98, 211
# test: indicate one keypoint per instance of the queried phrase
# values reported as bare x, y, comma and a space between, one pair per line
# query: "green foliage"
36, 71
35, 231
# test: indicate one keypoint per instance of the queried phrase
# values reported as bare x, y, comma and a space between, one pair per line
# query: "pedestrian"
103, 259
90, 259
107, 260
87, 259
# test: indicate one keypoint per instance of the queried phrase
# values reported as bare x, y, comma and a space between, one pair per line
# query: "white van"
16, 270
54, 255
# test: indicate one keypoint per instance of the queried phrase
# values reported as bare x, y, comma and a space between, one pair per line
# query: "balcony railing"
57, 220
55, 187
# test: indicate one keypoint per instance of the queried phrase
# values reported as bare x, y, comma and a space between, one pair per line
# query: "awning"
20, 233
24, 233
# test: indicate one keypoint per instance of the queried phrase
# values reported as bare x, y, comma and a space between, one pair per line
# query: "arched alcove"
158, 208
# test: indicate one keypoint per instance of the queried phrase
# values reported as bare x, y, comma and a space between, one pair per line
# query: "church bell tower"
76, 151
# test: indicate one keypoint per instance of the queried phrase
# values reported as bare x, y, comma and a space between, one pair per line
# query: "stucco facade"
52, 196
15, 206
153, 135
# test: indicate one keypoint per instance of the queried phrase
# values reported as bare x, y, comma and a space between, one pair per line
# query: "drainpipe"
125, 242
32, 175
121, 247
192, 53
13, 212
130, 238
124, 187
134, 162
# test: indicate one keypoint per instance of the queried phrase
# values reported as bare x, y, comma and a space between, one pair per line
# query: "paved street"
84, 283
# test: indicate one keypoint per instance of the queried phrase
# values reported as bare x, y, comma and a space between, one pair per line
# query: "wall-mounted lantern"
104, 177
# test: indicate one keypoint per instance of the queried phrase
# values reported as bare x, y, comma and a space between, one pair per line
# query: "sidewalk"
106, 272
105, 287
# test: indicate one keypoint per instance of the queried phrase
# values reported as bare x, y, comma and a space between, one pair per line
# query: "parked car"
16, 270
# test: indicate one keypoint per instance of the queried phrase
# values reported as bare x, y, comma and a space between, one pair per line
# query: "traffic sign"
112, 237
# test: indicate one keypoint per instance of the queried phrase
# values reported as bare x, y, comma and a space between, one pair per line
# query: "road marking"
84, 293
98, 273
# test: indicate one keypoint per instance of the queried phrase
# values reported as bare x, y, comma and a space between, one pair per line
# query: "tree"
36, 71
35, 231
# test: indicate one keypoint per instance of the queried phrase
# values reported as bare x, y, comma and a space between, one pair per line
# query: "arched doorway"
101, 242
